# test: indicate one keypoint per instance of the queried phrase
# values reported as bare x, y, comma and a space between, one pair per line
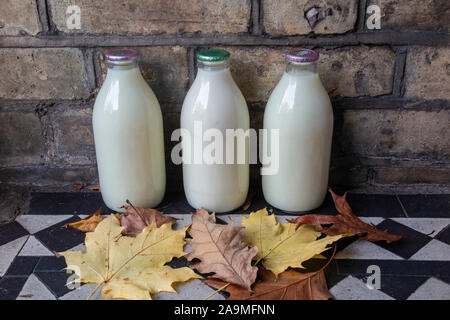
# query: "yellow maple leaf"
130, 267
281, 246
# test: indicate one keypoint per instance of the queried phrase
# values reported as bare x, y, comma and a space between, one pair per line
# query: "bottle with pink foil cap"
299, 123
128, 134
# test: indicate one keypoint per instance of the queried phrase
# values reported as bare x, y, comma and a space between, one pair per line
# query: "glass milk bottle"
128, 133
214, 103
299, 107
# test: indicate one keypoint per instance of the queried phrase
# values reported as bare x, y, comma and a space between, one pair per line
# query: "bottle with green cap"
215, 147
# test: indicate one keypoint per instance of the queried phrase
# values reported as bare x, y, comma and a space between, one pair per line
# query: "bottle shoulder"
210, 93
297, 94
120, 97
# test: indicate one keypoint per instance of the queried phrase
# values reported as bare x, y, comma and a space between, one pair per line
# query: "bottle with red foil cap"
299, 109
128, 134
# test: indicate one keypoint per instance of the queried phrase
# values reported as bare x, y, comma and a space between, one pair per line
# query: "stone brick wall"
389, 87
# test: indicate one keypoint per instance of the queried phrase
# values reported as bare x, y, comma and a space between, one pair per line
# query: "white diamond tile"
191, 290
434, 250
362, 249
430, 226
8, 252
372, 220
352, 288
80, 247
183, 220
35, 223
34, 247
236, 218
34, 289
432, 289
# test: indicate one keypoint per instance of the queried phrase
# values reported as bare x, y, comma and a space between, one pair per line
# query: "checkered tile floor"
416, 267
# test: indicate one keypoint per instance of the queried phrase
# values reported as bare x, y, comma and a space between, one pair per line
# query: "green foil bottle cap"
213, 55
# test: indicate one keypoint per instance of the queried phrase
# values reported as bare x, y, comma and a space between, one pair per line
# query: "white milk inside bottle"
299, 107
214, 102
128, 133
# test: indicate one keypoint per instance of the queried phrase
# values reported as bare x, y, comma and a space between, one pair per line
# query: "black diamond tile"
398, 287
11, 231
330, 271
439, 269
22, 266
10, 287
444, 235
55, 281
66, 203
366, 205
50, 263
411, 241
333, 278
57, 239
429, 206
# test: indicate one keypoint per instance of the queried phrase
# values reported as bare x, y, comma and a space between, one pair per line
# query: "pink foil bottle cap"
300, 55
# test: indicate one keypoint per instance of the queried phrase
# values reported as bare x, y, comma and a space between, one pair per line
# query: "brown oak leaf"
79, 186
221, 250
344, 223
87, 224
95, 188
136, 219
248, 201
290, 285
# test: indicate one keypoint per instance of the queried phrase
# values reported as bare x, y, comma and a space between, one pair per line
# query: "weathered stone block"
412, 175
357, 71
347, 176
21, 141
154, 16
73, 136
350, 71
397, 133
427, 73
166, 71
19, 18
299, 17
43, 74
414, 14
49, 176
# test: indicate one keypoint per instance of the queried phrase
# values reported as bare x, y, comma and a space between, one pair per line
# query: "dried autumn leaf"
282, 246
130, 267
87, 224
79, 186
344, 223
221, 250
248, 201
136, 219
289, 285
95, 187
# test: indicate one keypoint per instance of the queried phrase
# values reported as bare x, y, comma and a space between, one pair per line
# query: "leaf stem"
95, 290
217, 291
137, 212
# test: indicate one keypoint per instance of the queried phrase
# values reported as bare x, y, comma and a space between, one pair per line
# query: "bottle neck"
122, 66
301, 68
217, 66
